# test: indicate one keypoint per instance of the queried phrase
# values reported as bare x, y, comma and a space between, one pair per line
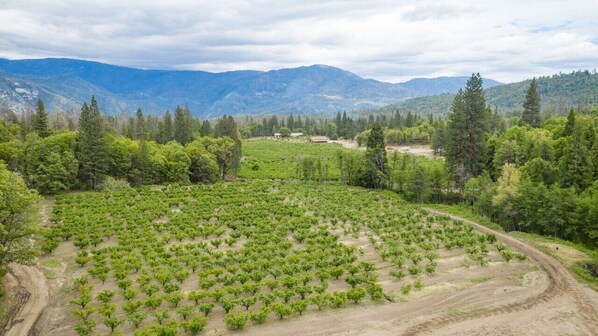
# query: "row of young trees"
94, 155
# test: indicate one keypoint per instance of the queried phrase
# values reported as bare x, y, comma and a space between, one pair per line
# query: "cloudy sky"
392, 41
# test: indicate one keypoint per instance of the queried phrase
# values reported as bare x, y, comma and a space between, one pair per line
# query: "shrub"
235, 321
110, 184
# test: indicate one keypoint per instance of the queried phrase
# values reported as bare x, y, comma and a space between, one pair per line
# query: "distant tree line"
340, 126
94, 154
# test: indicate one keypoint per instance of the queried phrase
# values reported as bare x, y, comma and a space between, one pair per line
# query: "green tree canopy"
531, 106
16, 224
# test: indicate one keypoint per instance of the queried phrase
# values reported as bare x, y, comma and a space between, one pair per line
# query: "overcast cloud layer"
387, 40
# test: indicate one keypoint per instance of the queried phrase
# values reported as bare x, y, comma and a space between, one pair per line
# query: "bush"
110, 183
235, 321
196, 324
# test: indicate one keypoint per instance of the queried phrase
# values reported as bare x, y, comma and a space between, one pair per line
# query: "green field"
276, 159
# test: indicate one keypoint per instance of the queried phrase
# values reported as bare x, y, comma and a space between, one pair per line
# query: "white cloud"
386, 40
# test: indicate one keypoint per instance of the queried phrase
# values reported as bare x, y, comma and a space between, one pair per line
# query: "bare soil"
418, 150
28, 292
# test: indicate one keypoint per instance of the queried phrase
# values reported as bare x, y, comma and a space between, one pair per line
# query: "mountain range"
64, 84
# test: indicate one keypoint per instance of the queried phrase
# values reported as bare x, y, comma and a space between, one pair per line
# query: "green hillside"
557, 93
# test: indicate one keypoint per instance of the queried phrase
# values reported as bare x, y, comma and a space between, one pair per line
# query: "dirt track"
29, 298
559, 282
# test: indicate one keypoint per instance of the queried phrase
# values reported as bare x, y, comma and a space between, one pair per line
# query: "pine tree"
91, 145
575, 166
594, 157
183, 132
40, 120
570, 125
206, 128
531, 106
227, 127
168, 127
466, 132
456, 137
375, 157
140, 128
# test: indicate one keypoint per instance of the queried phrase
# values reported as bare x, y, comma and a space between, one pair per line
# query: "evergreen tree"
206, 128
594, 157
142, 165
575, 166
183, 132
92, 147
439, 138
570, 125
40, 120
375, 157
168, 128
227, 127
531, 106
466, 132
140, 128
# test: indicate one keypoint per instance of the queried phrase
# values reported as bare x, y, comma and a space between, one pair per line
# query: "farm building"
294, 135
318, 139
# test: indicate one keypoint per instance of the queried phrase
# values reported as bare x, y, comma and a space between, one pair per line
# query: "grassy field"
276, 159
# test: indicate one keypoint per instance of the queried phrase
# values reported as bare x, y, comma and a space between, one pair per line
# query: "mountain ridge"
558, 93
64, 83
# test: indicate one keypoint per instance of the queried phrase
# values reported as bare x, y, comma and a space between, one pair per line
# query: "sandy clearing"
418, 150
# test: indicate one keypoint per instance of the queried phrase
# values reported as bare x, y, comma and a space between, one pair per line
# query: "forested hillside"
558, 92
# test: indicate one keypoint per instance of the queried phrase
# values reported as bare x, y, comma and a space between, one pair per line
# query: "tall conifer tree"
531, 106
40, 120
91, 145
375, 157
468, 123
168, 127
183, 132
140, 128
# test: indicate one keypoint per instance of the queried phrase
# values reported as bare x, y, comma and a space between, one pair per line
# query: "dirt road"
29, 298
559, 282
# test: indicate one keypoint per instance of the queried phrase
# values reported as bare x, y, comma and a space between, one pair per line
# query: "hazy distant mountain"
66, 83
440, 85
557, 92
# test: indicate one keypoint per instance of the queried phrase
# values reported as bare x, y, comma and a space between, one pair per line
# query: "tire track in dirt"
30, 293
559, 282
